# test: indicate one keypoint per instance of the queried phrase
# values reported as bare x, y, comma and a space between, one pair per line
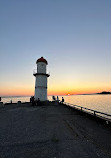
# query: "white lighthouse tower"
41, 80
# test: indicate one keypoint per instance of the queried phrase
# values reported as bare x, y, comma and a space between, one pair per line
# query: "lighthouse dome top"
42, 60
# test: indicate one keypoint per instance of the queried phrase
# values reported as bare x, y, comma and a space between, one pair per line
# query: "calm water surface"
100, 103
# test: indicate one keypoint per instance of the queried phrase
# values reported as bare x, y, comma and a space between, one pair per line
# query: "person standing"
38, 101
53, 97
57, 98
33, 101
62, 99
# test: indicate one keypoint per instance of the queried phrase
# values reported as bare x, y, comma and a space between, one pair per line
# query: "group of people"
54, 99
34, 103
37, 102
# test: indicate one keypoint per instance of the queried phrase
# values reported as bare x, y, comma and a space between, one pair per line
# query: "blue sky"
74, 36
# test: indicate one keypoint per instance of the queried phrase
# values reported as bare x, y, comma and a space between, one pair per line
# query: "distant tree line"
104, 92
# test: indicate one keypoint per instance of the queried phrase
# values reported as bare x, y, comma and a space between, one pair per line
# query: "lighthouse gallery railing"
35, 72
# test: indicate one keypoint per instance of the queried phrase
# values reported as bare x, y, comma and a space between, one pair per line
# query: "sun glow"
60, 88
30, 91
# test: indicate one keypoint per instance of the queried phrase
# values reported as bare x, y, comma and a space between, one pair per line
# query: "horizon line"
3, 96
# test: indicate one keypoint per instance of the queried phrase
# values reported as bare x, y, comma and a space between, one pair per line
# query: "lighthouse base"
41, 93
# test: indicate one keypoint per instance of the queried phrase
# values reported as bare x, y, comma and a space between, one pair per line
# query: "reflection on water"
100, 103
97, 102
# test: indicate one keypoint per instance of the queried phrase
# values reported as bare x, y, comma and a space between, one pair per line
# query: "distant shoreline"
104, 93
101, 93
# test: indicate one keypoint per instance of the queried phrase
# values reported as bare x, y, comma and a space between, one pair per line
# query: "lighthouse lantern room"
41, 79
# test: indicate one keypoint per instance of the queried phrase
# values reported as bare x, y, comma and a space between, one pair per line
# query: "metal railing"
35, 72
89, 111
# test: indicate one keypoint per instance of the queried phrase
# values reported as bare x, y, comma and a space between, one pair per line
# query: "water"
15, 99
100, 103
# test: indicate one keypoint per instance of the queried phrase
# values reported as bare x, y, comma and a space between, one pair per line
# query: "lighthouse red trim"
42, 60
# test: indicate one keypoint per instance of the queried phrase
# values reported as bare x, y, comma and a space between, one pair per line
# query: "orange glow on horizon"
17, 92
77, 91
30, 92
60, 90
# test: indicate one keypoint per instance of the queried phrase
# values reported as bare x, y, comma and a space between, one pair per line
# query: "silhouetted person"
62, 99
57, 99
0, 98
33, 101
53, 97
38, 101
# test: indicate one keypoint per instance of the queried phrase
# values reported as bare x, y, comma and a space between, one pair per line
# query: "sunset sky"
73, 35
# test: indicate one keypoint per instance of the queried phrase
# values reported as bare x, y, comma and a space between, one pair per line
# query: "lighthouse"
41, 79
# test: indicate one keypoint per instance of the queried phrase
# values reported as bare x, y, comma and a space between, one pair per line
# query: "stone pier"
51, 131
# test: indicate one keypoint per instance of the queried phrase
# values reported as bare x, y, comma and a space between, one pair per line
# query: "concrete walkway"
52, 131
